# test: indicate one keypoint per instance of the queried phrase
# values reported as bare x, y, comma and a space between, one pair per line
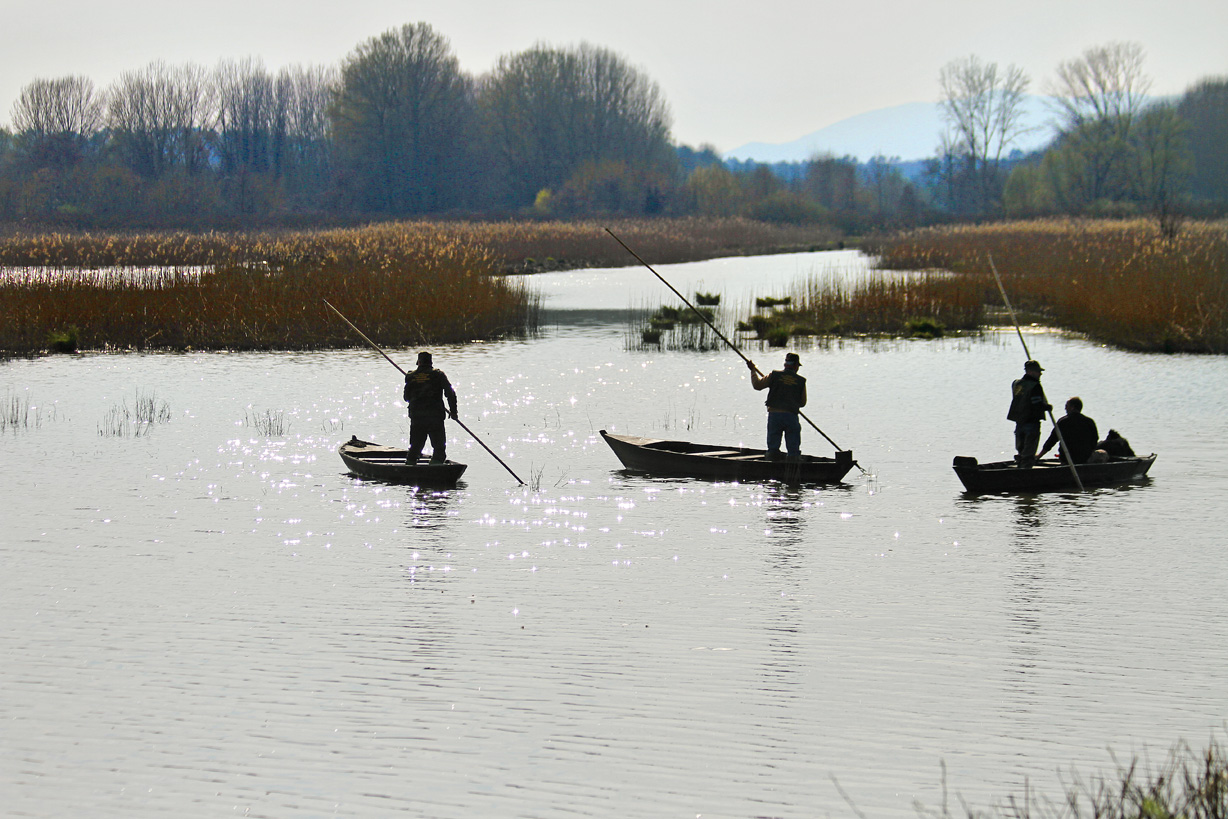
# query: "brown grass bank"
1119, 282
403, 283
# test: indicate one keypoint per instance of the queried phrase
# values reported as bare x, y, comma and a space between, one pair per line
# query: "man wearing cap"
1028, 408
425, 389
785, 399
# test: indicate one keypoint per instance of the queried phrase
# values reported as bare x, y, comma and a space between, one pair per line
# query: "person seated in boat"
1078, 434
1028, 408
425, 391
1115, 446
785, 399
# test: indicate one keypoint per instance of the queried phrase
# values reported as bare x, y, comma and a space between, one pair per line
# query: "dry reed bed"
1118, 282
401, 284
531, 246
509, 243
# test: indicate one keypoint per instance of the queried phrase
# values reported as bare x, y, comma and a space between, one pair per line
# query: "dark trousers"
420, 429
1027, 439
784, 424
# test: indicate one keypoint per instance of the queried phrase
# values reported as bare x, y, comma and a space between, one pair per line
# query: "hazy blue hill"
909, 131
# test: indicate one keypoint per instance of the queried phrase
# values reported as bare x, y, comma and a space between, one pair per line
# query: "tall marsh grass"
1121, 283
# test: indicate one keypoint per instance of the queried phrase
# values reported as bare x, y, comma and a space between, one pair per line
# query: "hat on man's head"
792, 359
1033, 365
424, 357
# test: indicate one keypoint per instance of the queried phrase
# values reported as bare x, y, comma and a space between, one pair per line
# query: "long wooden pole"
721, 335
1028, 355
398, 366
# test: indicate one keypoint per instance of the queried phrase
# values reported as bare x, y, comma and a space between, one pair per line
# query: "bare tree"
245, 115
400, 117
305, 95
1106, 83
1162, 164
159, 117
549, 111
983, 108
1099, 96
55, 119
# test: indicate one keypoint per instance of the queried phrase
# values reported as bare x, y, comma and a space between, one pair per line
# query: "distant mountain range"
907, 132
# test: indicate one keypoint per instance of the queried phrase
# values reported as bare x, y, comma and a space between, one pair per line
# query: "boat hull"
684, 459
385, 463
1004, 476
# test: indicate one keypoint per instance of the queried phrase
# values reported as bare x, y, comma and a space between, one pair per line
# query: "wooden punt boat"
684, 459
386, 463
1046, 475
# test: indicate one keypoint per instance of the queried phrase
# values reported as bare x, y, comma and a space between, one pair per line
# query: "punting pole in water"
398, 366
1028, 356
721, 335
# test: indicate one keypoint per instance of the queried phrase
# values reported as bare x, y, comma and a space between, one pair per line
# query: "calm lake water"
204, 620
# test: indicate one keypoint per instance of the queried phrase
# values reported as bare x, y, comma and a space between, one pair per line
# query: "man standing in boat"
425, 390
785, 399
1028, 408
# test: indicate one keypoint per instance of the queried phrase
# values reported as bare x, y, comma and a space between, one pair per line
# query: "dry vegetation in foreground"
403, 283
1118, 282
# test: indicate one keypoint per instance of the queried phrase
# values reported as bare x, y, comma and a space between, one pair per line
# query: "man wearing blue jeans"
785, 399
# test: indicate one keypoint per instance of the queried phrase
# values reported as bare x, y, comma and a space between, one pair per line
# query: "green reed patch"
914, 306
677, 328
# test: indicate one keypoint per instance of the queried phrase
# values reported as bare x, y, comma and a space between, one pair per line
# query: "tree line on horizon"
399, 130
1118, 151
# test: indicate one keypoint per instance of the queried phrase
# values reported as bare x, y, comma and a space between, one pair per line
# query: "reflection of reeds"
1118, 282
137, 420
676, 328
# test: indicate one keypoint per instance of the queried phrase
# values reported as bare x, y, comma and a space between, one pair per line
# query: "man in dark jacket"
425, 390
785, 399
1078, 434
1028, 408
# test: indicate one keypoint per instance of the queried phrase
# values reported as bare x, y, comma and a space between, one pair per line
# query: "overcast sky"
732, 72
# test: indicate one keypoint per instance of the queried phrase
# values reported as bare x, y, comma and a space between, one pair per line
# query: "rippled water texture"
205, 620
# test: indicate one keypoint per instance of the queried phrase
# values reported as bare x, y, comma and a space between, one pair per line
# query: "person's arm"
757, 381
1049, 442
802, 402
450, 394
